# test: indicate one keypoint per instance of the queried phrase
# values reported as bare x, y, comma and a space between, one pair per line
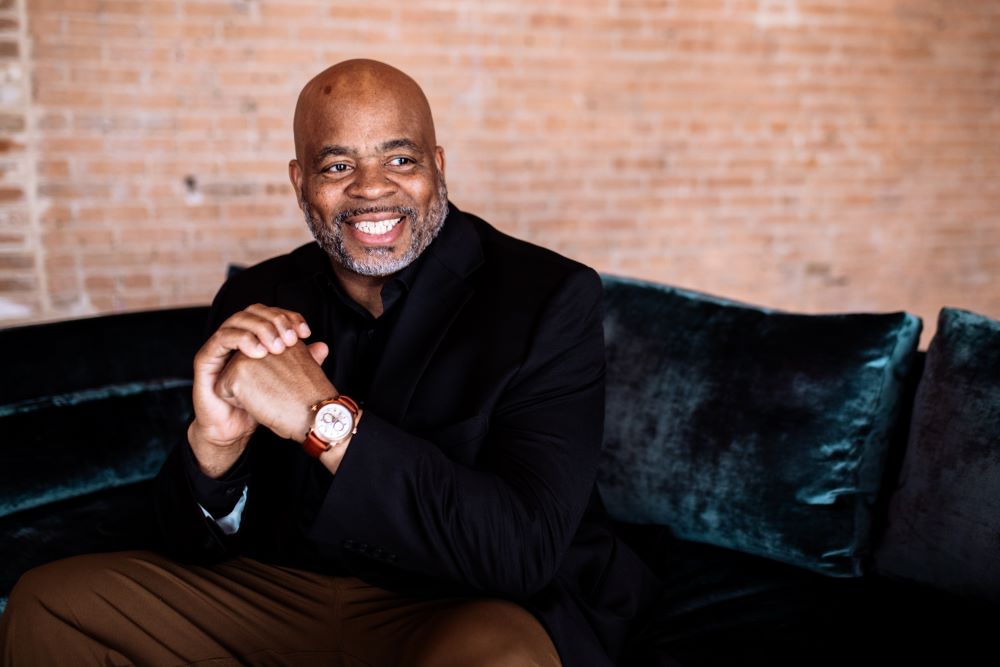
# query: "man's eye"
336, 167
401, 161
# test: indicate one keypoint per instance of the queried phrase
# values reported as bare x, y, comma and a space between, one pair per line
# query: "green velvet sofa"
811, 489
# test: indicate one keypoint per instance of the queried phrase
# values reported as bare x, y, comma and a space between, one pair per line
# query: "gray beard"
380, 261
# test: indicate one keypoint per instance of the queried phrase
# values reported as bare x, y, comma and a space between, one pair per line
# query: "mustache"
342, 216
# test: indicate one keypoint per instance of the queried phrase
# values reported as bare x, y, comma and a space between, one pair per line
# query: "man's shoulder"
503, 247
297, 264
518, 264
264, 281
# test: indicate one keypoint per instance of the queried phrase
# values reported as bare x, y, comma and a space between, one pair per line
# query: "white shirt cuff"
231, 522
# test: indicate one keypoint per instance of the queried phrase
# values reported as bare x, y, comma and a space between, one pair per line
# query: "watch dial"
333, 422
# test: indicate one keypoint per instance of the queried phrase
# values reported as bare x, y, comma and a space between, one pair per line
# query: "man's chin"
375, 262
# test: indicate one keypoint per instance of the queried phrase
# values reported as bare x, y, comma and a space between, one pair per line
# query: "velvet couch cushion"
748, 428
112, 519
93, 403
943, 527
724, 607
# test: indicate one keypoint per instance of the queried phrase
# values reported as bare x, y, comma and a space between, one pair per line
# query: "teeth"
376, 227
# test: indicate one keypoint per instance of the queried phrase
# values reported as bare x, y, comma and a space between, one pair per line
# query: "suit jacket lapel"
302, 293
441, 288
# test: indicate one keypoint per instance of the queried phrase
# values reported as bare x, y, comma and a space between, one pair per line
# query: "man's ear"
295, 176
439, 159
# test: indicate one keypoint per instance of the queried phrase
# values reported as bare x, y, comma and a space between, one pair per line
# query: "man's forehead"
366, 131
362, 106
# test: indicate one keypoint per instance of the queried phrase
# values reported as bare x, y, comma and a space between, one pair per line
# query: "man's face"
370, 183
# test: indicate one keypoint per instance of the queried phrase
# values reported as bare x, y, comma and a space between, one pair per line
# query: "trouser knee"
66, 589
66, 612
38, 589
487, 633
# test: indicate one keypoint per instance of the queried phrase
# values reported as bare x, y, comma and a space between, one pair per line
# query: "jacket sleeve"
501, 526
185, 532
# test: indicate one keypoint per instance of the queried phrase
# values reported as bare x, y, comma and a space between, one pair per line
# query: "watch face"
333, 422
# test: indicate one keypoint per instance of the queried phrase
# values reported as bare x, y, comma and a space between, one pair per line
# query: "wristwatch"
336, 420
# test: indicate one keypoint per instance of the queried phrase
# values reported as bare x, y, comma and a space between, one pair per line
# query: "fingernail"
289, 336
278, 344
260, 349
304, 330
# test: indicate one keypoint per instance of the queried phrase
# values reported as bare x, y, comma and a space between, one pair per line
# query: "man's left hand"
278, 389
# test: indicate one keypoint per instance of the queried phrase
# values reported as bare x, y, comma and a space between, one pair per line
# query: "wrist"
214, 456
332, 458
306, 420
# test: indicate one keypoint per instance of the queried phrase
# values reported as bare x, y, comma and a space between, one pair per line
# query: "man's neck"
366, 290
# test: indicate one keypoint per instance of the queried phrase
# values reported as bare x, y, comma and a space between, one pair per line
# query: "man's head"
367, 169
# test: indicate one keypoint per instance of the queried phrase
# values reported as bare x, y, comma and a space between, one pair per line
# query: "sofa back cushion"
93, 403
748, 428
943, 527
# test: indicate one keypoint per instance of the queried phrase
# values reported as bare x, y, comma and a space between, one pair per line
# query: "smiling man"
395, 442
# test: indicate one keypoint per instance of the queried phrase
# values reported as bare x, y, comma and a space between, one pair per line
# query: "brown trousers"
139, 608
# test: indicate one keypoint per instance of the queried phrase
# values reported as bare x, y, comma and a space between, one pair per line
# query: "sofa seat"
112, 519
725, 607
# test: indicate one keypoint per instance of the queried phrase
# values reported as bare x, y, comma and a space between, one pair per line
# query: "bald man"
394, 448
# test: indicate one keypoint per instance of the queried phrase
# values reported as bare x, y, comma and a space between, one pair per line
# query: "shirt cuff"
217, 496
230, 523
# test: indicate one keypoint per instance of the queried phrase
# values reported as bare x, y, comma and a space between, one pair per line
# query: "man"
414, 486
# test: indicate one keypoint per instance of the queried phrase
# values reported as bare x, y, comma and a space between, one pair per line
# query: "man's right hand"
220, 431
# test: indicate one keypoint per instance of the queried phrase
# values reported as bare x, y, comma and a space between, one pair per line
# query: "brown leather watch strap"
349, 403
313, 446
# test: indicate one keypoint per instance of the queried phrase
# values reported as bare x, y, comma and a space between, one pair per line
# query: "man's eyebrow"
393, 144
332, 151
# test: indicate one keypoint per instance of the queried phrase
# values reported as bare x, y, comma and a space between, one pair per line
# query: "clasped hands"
255, 370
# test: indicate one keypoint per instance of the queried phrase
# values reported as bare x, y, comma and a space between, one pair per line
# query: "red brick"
51, 50
16, 285
133, 8
16, 261
10, 194
212, 9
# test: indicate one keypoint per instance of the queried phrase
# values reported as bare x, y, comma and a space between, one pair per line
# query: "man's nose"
370, 181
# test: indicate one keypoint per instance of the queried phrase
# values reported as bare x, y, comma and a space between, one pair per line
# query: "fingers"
227, 340
255, 331
319, 352
274, 330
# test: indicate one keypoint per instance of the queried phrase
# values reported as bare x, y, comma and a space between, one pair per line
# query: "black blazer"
473, 469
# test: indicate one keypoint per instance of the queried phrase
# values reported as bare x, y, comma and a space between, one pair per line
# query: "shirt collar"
393, 292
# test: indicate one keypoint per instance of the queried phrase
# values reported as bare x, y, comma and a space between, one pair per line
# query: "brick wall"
812, 155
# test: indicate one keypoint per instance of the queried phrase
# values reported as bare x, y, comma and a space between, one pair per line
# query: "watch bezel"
341, 413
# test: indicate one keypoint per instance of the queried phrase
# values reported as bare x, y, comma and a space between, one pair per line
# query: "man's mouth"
379, 229
376, 227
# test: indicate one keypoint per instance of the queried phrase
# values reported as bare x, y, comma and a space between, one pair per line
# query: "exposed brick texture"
811, 155
22, 295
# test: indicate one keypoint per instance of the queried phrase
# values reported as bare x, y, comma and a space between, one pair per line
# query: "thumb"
319, 352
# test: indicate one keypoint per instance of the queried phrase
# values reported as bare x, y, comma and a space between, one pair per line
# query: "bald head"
355, 88
368, 172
